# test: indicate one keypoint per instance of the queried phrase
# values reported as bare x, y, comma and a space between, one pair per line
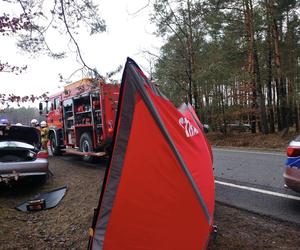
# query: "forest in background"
20, 115
234, 60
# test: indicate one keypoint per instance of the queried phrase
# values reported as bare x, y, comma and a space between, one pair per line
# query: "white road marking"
287, 196
249, 152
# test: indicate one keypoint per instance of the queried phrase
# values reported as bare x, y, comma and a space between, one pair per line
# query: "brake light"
42, 154
293, 151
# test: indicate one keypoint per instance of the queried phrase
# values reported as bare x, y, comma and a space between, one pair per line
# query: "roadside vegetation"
233, 60
254, 141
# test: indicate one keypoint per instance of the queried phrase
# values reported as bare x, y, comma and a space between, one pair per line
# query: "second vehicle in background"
81, 118
236, 127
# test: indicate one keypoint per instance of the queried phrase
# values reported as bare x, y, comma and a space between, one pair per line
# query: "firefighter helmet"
34, 122
43, 124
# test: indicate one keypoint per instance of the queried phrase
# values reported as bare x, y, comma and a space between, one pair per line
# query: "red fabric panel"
187, 113
194, 150
155, 206
194, 114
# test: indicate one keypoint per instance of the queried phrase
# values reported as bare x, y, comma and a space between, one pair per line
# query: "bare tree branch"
75, 42
140, 9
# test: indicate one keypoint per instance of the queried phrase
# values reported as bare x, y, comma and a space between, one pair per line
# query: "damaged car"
21, 154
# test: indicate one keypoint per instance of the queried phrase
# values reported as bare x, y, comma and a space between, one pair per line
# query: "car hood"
22, 134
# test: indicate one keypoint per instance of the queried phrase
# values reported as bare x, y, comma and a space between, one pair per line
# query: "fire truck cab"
81, 118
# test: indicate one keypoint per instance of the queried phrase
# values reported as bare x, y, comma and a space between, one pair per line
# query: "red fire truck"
81, 118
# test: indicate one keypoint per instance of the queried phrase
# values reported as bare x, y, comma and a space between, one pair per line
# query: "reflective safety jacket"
44, 134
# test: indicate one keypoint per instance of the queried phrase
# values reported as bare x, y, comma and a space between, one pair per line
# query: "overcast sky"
127, 35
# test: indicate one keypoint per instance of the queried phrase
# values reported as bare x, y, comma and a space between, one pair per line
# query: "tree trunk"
281, 94
251, 61
223, 113
279, 118
269, 78
193, 93
296, 117
260, 96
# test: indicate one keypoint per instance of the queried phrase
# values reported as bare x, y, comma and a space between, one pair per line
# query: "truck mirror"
41, 107
47, 107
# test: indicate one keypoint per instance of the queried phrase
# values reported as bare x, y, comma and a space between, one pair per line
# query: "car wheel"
53, 146
86, 145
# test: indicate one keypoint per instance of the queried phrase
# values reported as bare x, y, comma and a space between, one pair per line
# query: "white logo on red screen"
190, 130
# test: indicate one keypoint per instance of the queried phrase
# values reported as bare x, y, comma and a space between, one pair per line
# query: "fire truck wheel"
53, 145
86, 145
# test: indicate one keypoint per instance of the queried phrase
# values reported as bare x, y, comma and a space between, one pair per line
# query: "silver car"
21, 154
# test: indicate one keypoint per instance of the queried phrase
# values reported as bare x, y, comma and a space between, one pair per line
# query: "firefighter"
44, 134
34, 123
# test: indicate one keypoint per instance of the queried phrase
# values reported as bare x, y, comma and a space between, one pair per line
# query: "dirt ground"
65, 227
239, 229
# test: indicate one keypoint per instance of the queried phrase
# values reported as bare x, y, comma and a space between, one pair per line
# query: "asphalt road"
253, 180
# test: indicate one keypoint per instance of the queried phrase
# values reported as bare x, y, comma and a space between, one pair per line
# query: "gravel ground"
65, 227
